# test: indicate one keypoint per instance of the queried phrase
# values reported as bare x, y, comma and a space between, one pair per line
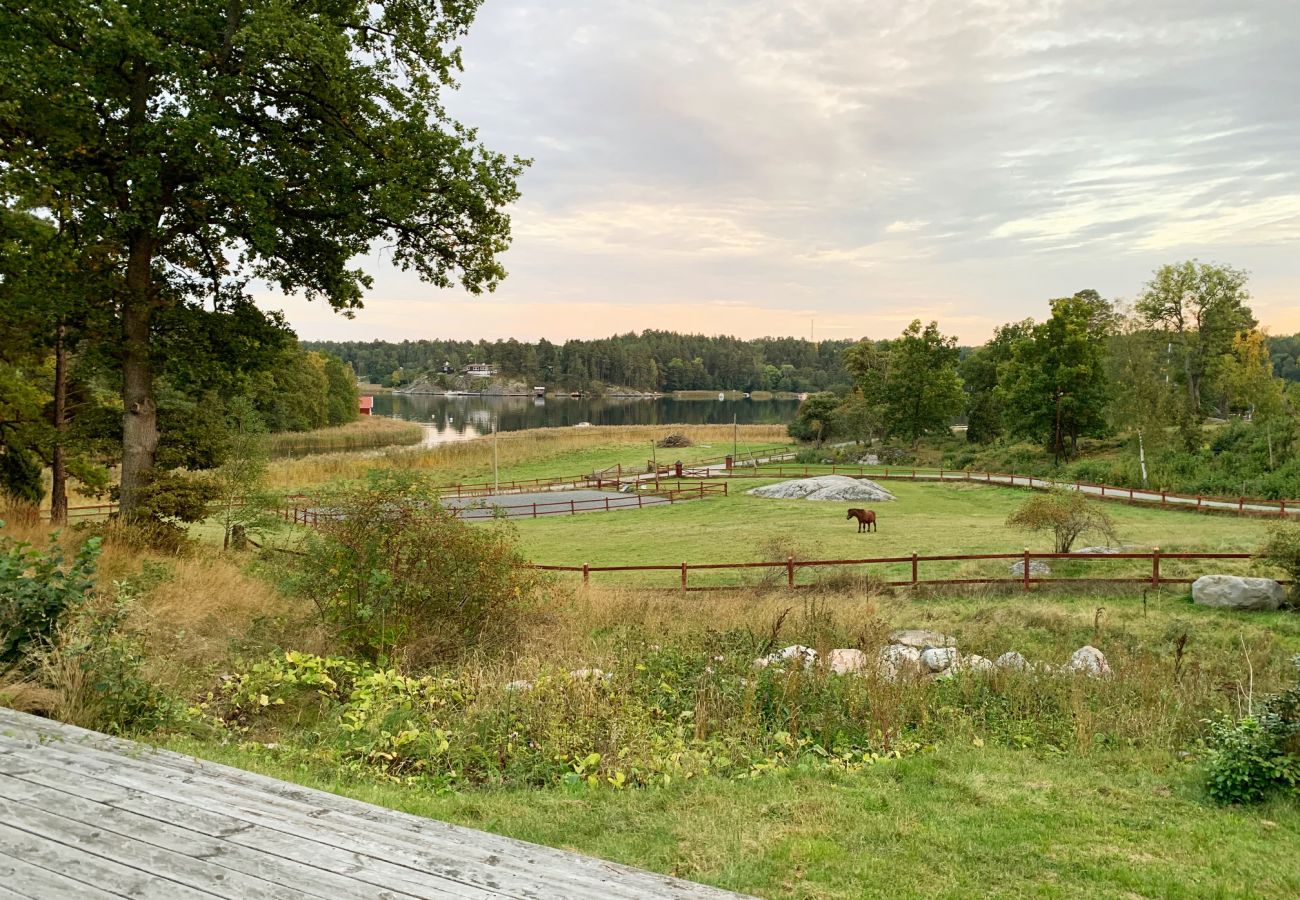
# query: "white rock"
825, 487
1088, 660
973, 662
1236, 592
1012, 660
938, 659
520, 684
585, 674
920, 638
846, 662
794, 652
761, 663
1037, 568
898, 659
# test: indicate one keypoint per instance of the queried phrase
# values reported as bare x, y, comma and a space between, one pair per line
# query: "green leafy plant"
1259, 755
1282, 549
394, 573
37, 589
1067, 514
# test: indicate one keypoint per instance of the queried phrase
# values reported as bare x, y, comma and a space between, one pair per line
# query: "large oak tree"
200, 144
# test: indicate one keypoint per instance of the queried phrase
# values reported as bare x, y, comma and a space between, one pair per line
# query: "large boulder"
896, 660
1012, 660
840, 488
938, 659
1037, 568
1237, 592
846, 661
1088, 660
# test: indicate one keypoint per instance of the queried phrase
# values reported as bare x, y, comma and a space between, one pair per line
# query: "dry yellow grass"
512, 447
366, 433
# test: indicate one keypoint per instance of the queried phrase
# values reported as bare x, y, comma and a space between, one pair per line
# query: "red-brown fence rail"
76, 513
1026, 579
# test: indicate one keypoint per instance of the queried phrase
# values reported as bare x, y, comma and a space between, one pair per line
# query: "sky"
836, 169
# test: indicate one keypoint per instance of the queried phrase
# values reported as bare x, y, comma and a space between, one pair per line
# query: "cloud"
866, 159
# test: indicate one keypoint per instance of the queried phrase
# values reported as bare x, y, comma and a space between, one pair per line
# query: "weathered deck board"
87, 815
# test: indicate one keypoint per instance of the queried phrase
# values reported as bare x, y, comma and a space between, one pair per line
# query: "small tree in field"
1282, 549
242, 503
394, 574
1067, 514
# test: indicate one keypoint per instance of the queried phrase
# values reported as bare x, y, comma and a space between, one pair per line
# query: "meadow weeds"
366, 433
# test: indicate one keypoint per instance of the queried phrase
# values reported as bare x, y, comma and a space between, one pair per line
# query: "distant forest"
649, 361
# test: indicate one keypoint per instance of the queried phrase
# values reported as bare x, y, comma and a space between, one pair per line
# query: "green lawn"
957, 822
928, 519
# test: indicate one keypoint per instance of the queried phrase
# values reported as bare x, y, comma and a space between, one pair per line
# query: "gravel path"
549, 503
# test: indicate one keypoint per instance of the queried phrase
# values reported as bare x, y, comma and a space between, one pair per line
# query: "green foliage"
1282, 549
394, 573
169, 502
1054, 385
980, 372
921, 390
341, 399
817, 419
97, 664
1067, 514
240, 498
1258, 755
37, 589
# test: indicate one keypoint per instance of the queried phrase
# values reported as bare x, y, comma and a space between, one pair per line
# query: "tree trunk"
58, 464
139, 412
1142, 457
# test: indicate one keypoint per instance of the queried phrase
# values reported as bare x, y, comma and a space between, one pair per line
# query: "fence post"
1163, 497
586, 573
1155, 567
726, 491
573, 510
1198, 501
1241, 504
913, 568
606, 504
1025, 571
1283, 509
640, 499
534, 509
789, 571
683, 576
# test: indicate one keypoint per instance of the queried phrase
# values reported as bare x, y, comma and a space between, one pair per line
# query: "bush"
1282, 549
393, 573
167, 504
1259, 755
1067, 514
37, 589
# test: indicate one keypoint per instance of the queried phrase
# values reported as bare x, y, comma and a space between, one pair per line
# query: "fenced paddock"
1152, 568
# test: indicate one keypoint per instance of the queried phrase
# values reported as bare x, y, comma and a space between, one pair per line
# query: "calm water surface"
463, 418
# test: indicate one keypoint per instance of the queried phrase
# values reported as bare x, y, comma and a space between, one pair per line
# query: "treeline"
217, 370
1188, 348
649, 361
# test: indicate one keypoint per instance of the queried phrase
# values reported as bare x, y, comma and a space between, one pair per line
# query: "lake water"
463, 418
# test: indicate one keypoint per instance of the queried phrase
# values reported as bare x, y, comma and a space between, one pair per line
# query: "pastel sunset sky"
750, 167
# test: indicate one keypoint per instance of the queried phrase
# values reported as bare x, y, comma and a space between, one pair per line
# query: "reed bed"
367, 433
464, 458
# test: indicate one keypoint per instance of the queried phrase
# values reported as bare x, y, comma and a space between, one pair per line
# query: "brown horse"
866, 519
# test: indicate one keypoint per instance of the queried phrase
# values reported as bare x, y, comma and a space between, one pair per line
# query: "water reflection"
464, 418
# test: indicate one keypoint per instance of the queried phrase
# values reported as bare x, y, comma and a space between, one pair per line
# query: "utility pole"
735, 435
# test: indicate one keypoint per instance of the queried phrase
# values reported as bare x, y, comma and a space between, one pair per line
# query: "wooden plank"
20, 878
489, 862
90, 869
286, 876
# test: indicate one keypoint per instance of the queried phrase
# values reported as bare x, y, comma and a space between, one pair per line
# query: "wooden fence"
1151, 576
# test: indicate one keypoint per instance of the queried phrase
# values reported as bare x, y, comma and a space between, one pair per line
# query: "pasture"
928, 519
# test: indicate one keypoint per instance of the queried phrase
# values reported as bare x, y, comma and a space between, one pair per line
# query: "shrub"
1282, 549
37, 589
1067, 514
393, 572
1258, 755
167, 504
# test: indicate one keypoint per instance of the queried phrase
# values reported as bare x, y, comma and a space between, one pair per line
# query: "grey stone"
1012, 660
846, 661
1088, 660
1037, 568
920, 638
896, 660
938, 659
825, 487
1237, 592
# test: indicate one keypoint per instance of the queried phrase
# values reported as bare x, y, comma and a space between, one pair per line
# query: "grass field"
957, 823
366, 433
925, 519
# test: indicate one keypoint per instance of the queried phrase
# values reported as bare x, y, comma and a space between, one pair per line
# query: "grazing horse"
866, 519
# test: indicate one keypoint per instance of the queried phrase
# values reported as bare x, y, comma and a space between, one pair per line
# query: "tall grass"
455, 459
366, 433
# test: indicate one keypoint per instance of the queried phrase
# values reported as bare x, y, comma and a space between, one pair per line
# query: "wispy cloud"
718, 166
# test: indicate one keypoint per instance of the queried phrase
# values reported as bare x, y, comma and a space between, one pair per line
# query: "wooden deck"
86, 815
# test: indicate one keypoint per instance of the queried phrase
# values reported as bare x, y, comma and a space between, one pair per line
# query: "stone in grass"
520, 684
1236, 592
794, 652
896, 660
973, 662
1012, 660
938, 659
1037, 568
836, 488
589, 675
920, 638
1088, 660
846, 661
